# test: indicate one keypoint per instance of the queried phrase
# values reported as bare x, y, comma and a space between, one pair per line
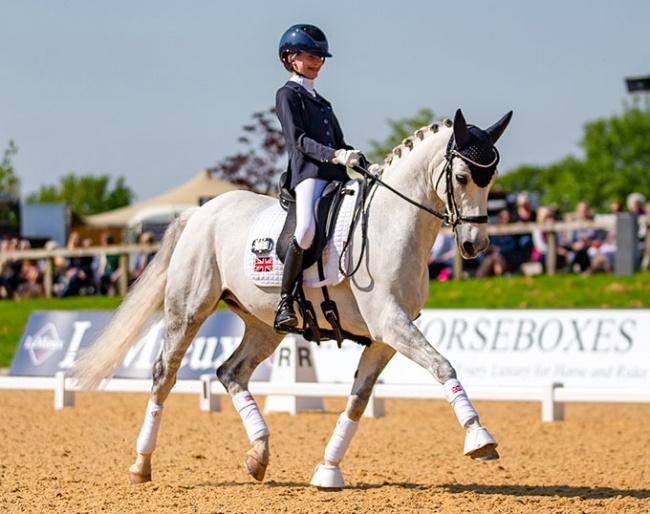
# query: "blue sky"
155, 91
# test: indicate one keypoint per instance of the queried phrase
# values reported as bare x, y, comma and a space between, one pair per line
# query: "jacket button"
328, 133
326, 122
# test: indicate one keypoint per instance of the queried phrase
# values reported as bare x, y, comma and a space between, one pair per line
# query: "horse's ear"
497, 129
461, 134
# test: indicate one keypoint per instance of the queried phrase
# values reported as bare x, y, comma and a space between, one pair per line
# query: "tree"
9, 182
399, 130
616, 162
85, 194
259, 165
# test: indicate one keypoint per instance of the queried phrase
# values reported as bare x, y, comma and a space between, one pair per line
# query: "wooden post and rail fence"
49, 256
625, 225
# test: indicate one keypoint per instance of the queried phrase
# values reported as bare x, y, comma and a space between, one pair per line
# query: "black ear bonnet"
480, 155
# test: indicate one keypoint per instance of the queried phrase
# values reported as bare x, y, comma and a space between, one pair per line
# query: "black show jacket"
312, 135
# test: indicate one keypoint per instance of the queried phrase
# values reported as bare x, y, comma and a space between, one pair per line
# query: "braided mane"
410, 142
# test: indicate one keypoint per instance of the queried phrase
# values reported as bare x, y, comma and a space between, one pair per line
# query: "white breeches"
307, 192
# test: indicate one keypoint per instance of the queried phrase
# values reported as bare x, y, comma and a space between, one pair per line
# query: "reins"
451, 216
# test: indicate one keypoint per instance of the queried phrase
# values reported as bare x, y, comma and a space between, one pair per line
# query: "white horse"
439, 170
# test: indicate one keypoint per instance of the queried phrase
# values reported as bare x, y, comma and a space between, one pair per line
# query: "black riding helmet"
303, 38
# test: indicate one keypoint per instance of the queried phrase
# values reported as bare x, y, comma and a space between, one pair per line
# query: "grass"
561, 291
14, 316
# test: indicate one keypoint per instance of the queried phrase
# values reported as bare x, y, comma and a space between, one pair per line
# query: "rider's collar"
308, 84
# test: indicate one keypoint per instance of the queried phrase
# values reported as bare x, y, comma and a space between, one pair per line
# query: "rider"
316, 149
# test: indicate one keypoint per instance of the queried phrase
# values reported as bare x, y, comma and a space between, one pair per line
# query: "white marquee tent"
171, 203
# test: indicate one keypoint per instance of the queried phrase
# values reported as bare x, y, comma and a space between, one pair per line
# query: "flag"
263, 264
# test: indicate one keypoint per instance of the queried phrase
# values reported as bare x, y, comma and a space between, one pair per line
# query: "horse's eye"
462, 179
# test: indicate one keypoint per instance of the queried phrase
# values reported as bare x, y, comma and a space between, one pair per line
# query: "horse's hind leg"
259, 342
178, 337
185, 312
373, 360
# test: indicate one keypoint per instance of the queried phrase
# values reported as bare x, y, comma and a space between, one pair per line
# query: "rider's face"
306, 64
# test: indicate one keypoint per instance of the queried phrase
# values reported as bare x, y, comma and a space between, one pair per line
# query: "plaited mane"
480, 150
410, 142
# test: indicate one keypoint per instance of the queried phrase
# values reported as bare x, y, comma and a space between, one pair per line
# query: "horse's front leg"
400, 332
373, 360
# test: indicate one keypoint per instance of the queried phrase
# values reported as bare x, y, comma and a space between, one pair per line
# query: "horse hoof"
137, 478
328, 478
480, 445
255, 467
485, 454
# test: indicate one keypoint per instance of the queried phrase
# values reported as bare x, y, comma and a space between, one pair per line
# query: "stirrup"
285, 315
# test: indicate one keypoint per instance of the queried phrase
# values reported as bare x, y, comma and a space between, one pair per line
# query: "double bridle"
452, 215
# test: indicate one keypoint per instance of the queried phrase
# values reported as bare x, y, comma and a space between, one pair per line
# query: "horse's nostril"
468, 248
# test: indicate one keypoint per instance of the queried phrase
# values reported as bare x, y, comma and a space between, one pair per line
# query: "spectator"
506, 252
546, 216
143, 258
78, 276
524, 211
615, 207
581, 240
10, 269
441, 258
31, 281
109, 271
635, 204
59, 263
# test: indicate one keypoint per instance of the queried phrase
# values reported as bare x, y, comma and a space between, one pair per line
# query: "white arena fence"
552, 397
539, 355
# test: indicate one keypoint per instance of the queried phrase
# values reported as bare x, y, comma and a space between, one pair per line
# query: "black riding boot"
286, 315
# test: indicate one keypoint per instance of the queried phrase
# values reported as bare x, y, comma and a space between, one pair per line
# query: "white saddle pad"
265, 269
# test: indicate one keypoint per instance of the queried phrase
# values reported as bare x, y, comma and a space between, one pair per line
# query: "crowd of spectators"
98, 273
582, 250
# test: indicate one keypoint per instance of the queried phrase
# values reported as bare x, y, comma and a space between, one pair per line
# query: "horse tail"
133, 317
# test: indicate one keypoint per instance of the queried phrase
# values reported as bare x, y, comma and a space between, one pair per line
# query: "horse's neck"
411, 175
417, 171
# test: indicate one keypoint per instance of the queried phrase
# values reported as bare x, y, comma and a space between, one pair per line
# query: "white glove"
375, 169
347, 157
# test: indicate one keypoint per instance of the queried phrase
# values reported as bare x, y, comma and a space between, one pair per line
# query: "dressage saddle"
326, 213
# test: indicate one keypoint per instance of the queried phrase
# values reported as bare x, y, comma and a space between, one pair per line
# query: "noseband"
452, 215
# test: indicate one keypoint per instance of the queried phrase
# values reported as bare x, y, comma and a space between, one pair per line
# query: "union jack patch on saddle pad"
263, 264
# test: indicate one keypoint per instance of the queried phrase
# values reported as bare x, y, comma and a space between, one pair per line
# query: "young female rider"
316, 149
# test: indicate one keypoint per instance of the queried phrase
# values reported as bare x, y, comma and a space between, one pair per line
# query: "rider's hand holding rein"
348, 158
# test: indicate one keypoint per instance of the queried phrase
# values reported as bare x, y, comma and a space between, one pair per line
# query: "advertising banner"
522, 347
52, 339
581, 348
